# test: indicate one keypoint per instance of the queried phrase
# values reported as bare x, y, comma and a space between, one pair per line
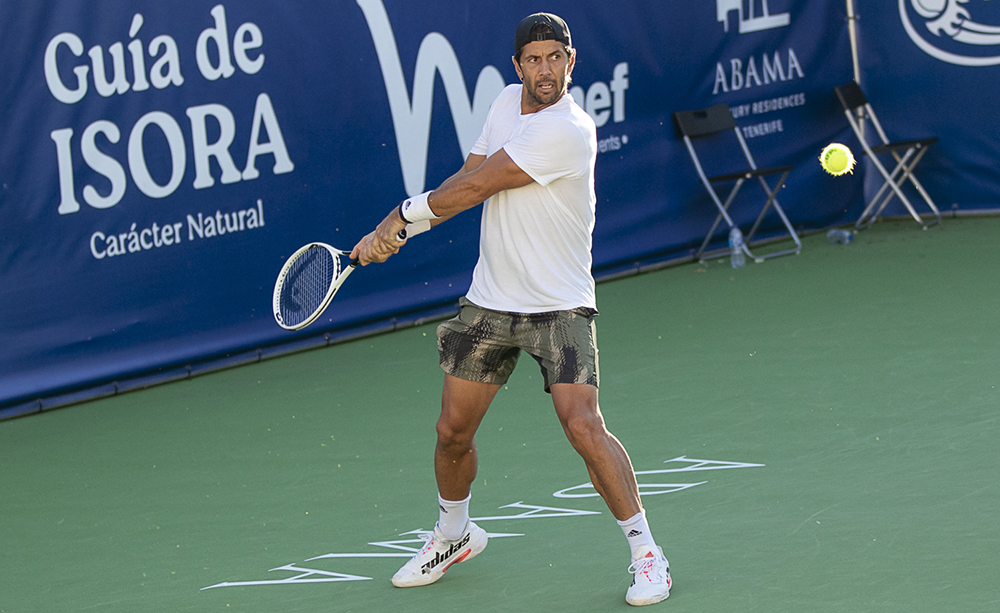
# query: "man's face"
545, 67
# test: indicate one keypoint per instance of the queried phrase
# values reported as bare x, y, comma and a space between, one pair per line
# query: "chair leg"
760, 218
908, 174
772, 200
927, 199
723, 213
893, 182
890, 183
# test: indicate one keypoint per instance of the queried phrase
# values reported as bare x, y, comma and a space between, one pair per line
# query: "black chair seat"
915, 143
750, 173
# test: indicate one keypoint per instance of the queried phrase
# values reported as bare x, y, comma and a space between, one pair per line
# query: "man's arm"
471, 163
486, 177
478, 179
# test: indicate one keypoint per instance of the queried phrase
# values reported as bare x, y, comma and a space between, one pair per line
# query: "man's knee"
453, 435
585, 430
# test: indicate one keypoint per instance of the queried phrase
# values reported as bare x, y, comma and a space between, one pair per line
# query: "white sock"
637, 532
453, 518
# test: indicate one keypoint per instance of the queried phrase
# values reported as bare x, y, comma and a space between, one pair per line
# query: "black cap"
559, 31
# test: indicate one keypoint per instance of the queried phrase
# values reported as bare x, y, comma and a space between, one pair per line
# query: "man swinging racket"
532, 291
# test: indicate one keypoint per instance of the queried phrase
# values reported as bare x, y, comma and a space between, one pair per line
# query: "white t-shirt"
535, 241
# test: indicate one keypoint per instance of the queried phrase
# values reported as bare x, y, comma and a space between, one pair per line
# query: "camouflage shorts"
483, 345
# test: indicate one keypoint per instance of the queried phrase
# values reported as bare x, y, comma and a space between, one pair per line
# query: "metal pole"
852, 32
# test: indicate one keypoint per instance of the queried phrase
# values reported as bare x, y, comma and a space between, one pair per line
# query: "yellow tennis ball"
837, 159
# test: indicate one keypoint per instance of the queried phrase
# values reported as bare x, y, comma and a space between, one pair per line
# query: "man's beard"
546, 99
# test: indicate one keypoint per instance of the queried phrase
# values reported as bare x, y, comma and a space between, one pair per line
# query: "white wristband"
416, 209
413, 229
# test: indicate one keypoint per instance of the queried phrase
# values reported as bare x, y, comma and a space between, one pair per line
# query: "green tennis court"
822, 428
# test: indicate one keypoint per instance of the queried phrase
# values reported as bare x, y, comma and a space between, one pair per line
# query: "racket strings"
306, 285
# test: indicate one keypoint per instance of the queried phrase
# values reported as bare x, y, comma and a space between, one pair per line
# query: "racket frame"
340, 275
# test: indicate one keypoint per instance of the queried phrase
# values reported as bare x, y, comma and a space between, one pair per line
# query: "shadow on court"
815, 433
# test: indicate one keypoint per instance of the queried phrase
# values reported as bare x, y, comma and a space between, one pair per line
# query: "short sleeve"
480, 147
549, 149
507, 97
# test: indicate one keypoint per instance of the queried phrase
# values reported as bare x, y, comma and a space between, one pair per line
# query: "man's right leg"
463, 406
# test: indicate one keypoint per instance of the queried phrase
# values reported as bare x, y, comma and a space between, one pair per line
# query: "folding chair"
714, 124
857, 108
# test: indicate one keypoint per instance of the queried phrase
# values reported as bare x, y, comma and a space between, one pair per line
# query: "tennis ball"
837, 159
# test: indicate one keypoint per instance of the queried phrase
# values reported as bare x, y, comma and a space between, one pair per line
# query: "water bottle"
736, 256
839, 237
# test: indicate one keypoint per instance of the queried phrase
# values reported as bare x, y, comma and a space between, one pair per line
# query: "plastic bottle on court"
736, 256
839, 237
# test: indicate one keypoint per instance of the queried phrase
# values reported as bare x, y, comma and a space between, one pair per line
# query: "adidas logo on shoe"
438, 555
441, 557
634, 533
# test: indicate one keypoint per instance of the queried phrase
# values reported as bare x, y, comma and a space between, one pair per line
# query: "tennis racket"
308, 282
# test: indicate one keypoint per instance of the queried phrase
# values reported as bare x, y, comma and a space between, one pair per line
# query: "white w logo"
412, 120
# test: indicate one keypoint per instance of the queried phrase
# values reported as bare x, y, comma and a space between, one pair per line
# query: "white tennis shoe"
650, 578
438, 555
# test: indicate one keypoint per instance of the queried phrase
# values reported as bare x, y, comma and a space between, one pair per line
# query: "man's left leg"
608, 463
613, 477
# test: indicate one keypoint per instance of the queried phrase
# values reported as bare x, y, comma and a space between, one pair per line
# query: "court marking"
645, 489
403, 550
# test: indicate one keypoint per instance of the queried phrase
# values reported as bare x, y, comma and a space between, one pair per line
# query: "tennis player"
532, 290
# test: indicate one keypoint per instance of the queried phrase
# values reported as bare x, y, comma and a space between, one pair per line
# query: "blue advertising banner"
933, 69
161, 160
